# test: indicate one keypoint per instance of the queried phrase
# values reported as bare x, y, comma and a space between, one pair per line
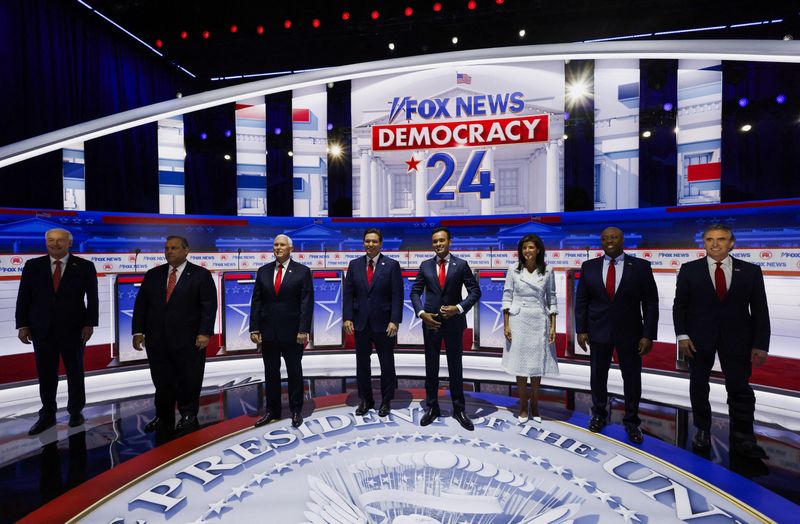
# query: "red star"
412, 164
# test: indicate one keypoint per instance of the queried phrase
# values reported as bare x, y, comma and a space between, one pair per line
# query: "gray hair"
288, 239
719, 227
69, 234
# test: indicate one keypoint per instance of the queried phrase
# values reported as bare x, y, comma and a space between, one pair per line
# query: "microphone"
238, 256
136, 258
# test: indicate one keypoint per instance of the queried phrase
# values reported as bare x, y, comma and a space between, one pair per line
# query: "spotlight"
184, 35
277, 131
391, 46
577, 91
260, 29
566, 115
206, 35
667, 106
346, 15
178, 95
159, 43
647, 134
287, 24
499, 2
677, 129
227, 133
565, 136
227, 156
408, 11
746, 128
521, 33
330, 85
335, 150
330, 126
471, 5
203, 136
437, 6
743, 102
454, 40
375, 15
290, 153
315, 23
788, 37
781, 98
234, 28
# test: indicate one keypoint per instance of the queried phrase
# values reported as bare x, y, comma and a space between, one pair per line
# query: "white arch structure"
740, 50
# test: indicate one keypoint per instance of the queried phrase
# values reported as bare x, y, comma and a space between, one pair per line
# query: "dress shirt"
177, 275
446, 269
619, 267
727, 270
285, 268
63, 264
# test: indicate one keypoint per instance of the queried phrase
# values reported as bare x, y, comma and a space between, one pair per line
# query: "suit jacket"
377, 303
458, 274
281, 317
63, 313
191, 309
737, 324
632, 315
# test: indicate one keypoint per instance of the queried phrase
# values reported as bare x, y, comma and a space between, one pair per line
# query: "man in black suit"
280, 321
442, 279
173, 318
373, 309
616, 306
721, 306
57, 309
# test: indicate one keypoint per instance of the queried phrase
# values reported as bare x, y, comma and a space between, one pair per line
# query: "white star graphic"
258, 478
498, 313
475, 442
280, 466
602, 495
436, 437
494, 446
455, 439
378, 438
320, 451
515, 452
244, 327
627, 514
416, 436
398, 436
580, 481
331, 313
300, 457
415, 320
536, 460
238, 492
359, 440
339, 445
216, 508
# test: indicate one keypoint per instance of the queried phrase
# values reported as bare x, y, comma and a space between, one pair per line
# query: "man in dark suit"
616, 306
173, 318
721, 306
373, 309
57, 309
280, 321
442, 279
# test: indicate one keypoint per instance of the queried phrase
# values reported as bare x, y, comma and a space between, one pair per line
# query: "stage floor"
391, 468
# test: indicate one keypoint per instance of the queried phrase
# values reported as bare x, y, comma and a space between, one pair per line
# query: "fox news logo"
459, 107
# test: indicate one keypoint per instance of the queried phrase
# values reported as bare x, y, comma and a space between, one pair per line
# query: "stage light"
375, 15
159, 43
667, 106
290, 153
335, 150
346, 15
260, 29
203, 136
391, 46
315, 23
178, 95
647, 134
184, 35
277, 131
565, 136
437, 6
677, 129
521, 33
566, 115
781, 98
743, 102
227, 133
330, 126
287, 24
234, 28
577, 91
454, 40
227, 156
747, 127
471, 5
499, 2
408, 11
206, 35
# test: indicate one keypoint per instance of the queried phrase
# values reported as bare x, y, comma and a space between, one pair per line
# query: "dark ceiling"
361, 38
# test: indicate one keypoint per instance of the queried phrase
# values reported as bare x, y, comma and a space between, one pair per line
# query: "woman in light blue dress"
529, 314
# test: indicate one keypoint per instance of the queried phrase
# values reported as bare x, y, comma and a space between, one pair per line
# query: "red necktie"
57, 275
719, 281
611, 279
370, 271
278, 278
442, 274
171, 281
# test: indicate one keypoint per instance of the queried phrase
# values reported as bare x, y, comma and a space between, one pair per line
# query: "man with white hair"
57, 309
280, 321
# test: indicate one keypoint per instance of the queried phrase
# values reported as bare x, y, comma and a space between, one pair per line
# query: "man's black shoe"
363, 407
747, 447
464, 420
701, 440
596, 424
76, 420
297, 419
386, 407
187, 423
41, 425
157, 424
266, 419
634, 434
429, 416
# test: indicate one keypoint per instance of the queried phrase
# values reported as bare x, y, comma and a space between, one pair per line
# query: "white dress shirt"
63, 264
283, 275
177, 275
446, 269
619, 267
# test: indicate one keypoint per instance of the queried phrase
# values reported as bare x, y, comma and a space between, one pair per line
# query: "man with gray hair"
57, 309
280, 321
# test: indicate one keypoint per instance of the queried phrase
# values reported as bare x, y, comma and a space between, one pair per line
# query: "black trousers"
178, 377
292, 352
630, 364
737, 368
384, 347
47, 351
453, 337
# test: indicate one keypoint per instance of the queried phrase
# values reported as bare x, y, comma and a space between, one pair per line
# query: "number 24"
466, 184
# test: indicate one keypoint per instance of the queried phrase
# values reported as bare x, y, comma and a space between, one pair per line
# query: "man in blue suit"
721, 306
372, 308
173, 319
616, 306
442, 278
52, 314
280, 321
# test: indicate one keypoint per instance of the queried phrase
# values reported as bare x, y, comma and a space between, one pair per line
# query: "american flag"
463, 78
